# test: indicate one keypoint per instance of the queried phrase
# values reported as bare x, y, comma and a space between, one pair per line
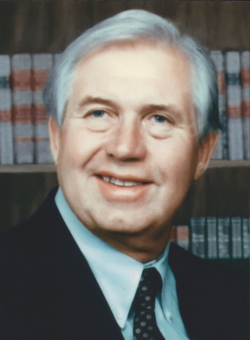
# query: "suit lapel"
69, 297
69, 293
193, 299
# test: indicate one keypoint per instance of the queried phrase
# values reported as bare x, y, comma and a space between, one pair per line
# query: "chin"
122, 223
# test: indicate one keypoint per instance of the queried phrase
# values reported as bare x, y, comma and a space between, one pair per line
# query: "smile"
121, 183
122, 188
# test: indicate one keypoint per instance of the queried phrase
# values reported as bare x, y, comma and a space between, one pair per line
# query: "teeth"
117, 182
131, 184
120, 183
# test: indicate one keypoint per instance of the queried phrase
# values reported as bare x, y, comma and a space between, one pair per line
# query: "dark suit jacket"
47, 290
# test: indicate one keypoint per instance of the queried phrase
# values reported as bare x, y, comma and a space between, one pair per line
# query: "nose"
127, 142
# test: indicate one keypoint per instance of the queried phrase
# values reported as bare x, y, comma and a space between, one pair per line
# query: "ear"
54, 136
205, 152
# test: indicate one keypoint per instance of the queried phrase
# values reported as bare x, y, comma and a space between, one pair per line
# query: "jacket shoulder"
18, 240
211, 297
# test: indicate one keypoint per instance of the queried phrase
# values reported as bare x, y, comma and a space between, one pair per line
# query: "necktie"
145, 327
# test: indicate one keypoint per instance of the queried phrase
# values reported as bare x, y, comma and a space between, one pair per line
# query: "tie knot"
150, 281
150, 284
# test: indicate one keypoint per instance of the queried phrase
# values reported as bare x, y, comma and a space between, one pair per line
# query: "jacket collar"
69, 293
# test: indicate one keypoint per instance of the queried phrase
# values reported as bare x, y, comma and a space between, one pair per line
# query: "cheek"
176, 160
78, 147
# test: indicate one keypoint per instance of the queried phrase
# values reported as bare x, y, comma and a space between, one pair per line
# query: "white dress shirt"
118, 276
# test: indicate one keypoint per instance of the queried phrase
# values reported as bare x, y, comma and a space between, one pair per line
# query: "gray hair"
133, 26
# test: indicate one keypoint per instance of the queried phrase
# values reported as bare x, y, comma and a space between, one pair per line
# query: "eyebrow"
148, 107
96, 100
169, 108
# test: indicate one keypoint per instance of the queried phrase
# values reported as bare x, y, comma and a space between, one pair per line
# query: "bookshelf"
48, 168
27, 168
49, 26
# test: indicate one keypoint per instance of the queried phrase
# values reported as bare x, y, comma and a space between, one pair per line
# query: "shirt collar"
117, 274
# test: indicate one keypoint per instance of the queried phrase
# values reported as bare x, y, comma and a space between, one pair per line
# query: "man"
134, 122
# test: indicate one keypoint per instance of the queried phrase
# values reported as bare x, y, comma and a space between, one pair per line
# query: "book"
236, 238
245, 105
41, 67
224, 238
212, 247
214, 238
6, 129
233, 91
22, 108
221, 149
245, 236
182, 236
197, 226
56, 57
6, 132
173, 234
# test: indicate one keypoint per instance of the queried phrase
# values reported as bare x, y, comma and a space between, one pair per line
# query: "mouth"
122, 182
123, 188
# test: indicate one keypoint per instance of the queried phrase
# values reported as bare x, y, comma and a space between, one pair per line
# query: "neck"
142, 249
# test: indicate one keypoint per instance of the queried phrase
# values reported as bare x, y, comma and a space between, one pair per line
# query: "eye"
98, 113
99, 120
159, 119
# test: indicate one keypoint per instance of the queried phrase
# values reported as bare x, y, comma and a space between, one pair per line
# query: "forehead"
134, 74
126, 56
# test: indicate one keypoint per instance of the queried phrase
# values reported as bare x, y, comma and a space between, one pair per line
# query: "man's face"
128, 150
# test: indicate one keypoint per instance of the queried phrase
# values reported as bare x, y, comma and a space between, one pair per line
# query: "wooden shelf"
228, 164
27, 168
43, 168
50, 26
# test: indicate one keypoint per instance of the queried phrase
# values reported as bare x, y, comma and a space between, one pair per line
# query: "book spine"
173, 234
56, 57
182, 236
212, 244
41, 67
223, 105
245, 105
6, 129
224, 238
22, 108
236, 238
218, 60
245, 236
198, 236
235, 127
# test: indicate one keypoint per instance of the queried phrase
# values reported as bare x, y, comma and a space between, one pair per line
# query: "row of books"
211, 237
233, 76
23, 119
